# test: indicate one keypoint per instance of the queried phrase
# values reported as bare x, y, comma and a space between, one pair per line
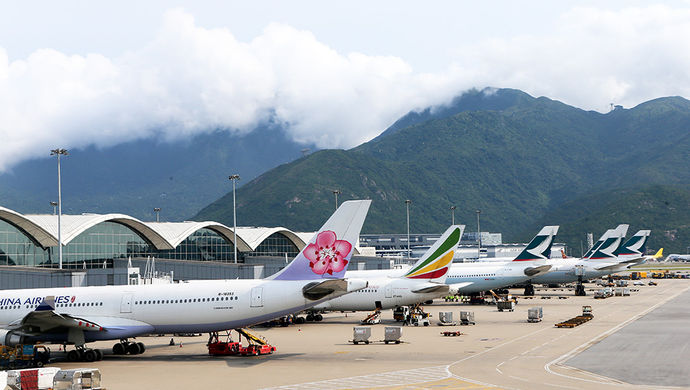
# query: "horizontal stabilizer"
318, 290
436, 288
534, 271
455, 287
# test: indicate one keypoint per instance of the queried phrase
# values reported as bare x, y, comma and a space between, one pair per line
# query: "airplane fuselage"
129, 311
383, 292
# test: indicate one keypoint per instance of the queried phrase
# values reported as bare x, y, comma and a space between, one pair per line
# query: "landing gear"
529, 290
82, 354
579, 288
128, 347
314, 317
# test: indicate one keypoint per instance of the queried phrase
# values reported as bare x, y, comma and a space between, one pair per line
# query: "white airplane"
606, 257
422, 282
79, 315
676, 257
469, 278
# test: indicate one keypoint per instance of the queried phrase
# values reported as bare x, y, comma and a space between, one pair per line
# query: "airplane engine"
9, 338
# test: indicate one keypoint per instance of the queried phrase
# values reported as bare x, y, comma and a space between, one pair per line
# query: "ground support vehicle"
373, 318
23, 356
256, 345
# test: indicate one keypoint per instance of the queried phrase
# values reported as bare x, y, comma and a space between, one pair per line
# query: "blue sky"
82, 72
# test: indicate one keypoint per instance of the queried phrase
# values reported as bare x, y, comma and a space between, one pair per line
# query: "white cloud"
191, 79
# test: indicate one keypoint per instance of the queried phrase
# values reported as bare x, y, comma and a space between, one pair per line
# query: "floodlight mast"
407, 205
234, 178
59, 152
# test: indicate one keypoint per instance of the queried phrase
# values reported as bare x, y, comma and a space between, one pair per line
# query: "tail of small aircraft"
540, 246
329, 251
433, 265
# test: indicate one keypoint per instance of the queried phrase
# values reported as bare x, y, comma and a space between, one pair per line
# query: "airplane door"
126, 303
389, 291
257, 299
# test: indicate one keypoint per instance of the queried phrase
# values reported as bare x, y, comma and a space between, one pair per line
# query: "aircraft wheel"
73, 356
142, 347
318, 317
310, 317
99, 354
133, 349
119, 349
90, 355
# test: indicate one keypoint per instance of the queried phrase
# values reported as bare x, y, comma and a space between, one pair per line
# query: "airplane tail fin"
434, 264
540, 246
610, 242
636, 245
659, 254
329, 251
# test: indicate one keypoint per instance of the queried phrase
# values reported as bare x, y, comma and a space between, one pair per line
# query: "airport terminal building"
104, 249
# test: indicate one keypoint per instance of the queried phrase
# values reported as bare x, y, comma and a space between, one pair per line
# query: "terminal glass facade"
276, 244
17, 249
98, 245
202, 245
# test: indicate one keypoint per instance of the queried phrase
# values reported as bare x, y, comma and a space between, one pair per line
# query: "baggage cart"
361, 334
467, 318
505, 305
392, 334
535, 314
445, 318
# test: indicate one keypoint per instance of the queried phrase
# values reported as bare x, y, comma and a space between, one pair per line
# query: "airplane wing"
432, 288
45, 319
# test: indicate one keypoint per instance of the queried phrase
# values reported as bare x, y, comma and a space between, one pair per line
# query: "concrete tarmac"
501, 351
652, 350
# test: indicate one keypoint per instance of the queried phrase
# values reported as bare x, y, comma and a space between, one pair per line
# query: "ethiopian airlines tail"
329, 251
433, 265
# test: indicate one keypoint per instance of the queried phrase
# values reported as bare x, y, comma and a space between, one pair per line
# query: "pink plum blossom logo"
328, 254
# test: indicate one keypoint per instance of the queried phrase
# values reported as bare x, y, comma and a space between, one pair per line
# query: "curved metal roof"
74, 225
35, 231
254, 236
176, 232
42, 228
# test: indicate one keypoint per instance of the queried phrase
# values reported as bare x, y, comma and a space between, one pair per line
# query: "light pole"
452, 215
234, 179
59, 152
157, 210
479, 237
336, 193
54, 204
407, 205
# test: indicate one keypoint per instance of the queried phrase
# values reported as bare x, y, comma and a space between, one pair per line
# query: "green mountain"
513, 156
179, 176
663, 209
